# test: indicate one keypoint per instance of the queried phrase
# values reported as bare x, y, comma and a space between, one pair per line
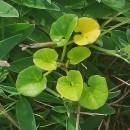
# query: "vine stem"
112, 18
114, 27
47, 73
110, 52
52, 92
78, 117
63, 53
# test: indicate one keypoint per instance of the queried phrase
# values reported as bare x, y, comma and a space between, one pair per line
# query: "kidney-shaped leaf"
31, 82
70, 86
96, 94
78, 54
46, 59
25, 115
39, 4
62, 29
7, 10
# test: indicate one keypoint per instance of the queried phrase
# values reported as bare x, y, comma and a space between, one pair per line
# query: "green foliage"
49, 82
30, 81
62, 29
70, 86
95, 94
37, 4
22, 29
23, 63
78, 54
114, 94
46, 59
23, 109
8, 44
7, 10
115, 4
70, 123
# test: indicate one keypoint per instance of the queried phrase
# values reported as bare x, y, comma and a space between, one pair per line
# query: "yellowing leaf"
88, 30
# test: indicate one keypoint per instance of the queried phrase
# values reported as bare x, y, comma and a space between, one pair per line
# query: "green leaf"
49, 1
128, 35
99, 1
96, 94
31, 82
25, 115
118, 35
45, 97
60, 109
42, 17
2, 94
39, 4
46, 59
3, 74
19, 28
108, 43
91, 122
70, 86
114, 94
78, 54
115, 4
98, 10
8, 44
21, 64
9, 89
75, 5
71, 123
7, 10
105, 109
62, 29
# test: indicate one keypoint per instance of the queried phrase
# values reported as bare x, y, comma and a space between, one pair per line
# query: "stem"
30, 52
63, 53
52, 92
47, 73
71, 41
67, 63
116, 26
8, 117
110, 52
78, 117
37, 45
112, 18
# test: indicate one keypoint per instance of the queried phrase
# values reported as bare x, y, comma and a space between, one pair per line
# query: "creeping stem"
63, 53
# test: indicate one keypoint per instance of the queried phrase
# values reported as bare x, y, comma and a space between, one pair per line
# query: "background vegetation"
26, 23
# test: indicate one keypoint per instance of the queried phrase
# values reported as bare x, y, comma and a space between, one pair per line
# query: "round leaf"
46, 59
70, 86
62, 29
78, 54
96, 95
31, 82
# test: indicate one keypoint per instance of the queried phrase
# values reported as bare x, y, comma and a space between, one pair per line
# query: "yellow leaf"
88, 29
